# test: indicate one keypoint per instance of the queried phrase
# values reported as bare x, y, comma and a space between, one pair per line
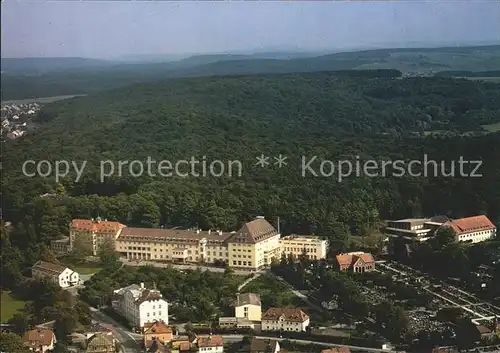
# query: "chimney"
142, 285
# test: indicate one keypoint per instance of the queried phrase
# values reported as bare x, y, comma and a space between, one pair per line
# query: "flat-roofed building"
314, 247
414, 229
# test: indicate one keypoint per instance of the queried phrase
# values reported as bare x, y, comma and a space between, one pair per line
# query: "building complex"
252, 247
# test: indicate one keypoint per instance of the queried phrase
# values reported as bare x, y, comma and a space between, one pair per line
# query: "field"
492, 127
9, 306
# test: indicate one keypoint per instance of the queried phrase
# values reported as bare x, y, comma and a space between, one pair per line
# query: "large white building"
140, 305
61, 275
474, 229
285, 319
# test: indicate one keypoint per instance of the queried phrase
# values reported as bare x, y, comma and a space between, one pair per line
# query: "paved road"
130, 342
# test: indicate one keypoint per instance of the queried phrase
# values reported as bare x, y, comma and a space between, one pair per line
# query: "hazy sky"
110, 29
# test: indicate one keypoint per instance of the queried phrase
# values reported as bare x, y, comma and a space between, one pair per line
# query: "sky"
110, 29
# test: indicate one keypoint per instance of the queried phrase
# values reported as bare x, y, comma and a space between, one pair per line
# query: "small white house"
61, 275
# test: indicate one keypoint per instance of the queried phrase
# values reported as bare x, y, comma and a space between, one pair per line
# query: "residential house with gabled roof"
39, 340
357, 262
101, 343
91, 234
474, 229
61, 275
285, 319
157, 331
258, 345
210, 344
140, 305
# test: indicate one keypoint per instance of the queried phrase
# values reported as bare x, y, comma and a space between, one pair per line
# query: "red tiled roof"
470, 224
96, 226
290, 314
157, 327
39, 337
351, 258
210, 341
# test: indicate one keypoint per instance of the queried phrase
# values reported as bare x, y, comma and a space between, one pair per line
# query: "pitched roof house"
210, 344
157, 331
258, 345
100, 343
56, 273
356, 262
40, 340
475, 229
284, 319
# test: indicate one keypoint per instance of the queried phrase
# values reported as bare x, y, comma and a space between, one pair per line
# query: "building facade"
357, 262
61, 275
91, 234
60, 246
285, 319
140, 305
248, 306
252, 247
314, 247
101, 343
474, 229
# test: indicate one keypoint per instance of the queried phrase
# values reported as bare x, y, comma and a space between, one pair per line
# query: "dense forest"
239, 118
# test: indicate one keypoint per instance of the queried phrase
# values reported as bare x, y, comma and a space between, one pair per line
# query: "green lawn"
492, 127
10, 306
86, 270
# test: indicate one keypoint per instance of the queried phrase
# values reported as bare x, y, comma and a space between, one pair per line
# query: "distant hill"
79, 76
36, 66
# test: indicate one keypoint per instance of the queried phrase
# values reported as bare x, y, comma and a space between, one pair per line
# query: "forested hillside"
79, 76
238, 118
